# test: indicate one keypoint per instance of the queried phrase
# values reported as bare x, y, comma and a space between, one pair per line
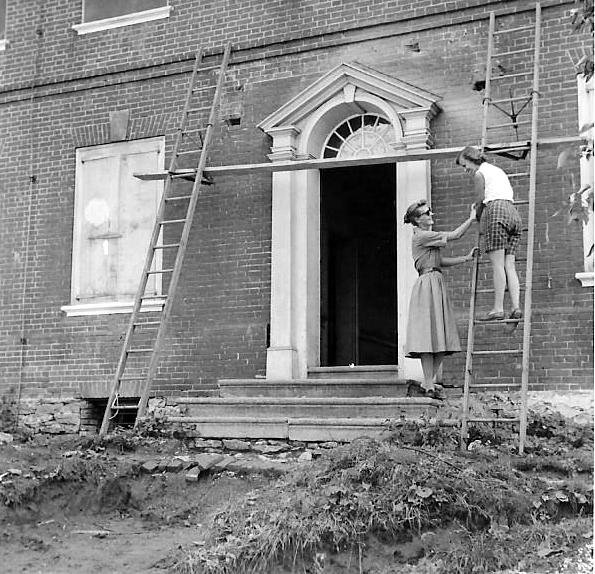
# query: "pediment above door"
353, 86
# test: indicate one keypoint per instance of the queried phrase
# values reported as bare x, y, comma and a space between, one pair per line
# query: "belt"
429, 270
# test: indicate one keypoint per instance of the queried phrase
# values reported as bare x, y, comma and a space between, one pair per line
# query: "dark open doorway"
358, 266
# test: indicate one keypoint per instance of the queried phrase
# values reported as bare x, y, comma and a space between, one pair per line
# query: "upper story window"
2, 24
106, 14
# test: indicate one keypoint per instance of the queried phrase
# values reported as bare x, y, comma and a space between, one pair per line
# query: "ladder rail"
530, 237
151, 251
156, 355
527, 313
469, 353
488, 86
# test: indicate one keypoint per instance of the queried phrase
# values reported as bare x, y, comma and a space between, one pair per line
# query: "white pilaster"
413, 183
281, 354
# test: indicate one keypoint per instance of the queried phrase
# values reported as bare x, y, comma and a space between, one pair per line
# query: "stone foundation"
77, 416
52, 416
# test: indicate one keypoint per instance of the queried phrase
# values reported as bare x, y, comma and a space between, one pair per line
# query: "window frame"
123, 20
3, 42
76, 308
585, 116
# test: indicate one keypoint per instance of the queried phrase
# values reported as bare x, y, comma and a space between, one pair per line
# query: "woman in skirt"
431, 329
501, 225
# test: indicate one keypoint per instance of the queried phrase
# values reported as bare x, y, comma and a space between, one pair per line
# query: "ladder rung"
506, 125
197, 110
517, 29
495, 420
490, 290
157, 271
518, 75
503, 352
496, 322
521, 202
194, 131
504, 100
131, 378
178, 198
517, 259
167, 246
492, 385
521, 174
208, 68
189, 152
191, 173
170, 221
154, 297
139, 351
124, 407
203, 88
512, 52
145, 323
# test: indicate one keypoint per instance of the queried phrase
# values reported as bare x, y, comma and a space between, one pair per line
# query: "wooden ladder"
526, 104
144, 339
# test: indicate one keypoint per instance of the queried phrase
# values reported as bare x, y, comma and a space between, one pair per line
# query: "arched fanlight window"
363, 135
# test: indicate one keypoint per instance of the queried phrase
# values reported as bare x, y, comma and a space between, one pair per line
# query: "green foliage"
385, 490
527, 548
581, 19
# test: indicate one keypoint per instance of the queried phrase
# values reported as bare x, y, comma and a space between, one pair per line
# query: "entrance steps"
332, 404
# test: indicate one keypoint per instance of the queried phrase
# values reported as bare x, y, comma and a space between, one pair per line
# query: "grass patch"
392, 492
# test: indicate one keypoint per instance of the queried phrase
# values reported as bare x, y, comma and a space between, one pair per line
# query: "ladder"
517, 150
141, 350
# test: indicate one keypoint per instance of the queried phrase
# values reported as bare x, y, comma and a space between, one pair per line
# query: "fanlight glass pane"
363, 135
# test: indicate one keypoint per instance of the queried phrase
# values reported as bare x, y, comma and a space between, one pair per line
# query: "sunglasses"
428, 211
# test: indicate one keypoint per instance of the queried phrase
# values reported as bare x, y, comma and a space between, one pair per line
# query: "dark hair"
472, 154
412, 212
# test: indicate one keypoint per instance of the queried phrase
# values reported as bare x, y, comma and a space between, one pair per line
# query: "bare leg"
513, 280
438, 358
427, 366
497, 259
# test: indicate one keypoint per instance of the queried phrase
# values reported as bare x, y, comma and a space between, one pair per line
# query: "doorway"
358, 266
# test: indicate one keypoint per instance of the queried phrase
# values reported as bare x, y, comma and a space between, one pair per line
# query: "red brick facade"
58, 89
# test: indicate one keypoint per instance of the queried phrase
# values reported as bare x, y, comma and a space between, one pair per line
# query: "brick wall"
221, 314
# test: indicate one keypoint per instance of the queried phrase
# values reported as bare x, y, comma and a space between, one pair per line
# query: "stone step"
383, 372
319, 408
313, 388
305, 429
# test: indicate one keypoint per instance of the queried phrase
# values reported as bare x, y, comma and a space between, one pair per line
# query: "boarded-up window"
101, 9
114, 217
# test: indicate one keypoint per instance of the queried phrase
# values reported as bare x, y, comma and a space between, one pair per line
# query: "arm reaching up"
463, 228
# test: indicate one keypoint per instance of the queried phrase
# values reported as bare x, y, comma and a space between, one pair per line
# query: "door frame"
295, 234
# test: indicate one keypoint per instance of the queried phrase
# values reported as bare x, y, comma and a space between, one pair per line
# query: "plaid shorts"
501, 226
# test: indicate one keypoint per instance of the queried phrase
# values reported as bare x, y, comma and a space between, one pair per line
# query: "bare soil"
123, 522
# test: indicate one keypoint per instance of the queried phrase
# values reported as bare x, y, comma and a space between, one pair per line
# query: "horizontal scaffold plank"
396, 157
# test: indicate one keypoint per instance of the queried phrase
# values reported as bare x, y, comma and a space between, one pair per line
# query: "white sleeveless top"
497, 185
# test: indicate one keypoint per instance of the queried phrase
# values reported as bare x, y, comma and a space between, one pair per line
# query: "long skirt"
431, 327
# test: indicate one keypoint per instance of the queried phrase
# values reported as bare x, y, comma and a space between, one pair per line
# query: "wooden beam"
397, 157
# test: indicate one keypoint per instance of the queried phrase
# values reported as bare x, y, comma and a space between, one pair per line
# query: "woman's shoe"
437, 394
492, 316
516, 314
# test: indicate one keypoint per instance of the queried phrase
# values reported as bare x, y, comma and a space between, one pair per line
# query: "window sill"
110, 308
125, 20
586, 278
